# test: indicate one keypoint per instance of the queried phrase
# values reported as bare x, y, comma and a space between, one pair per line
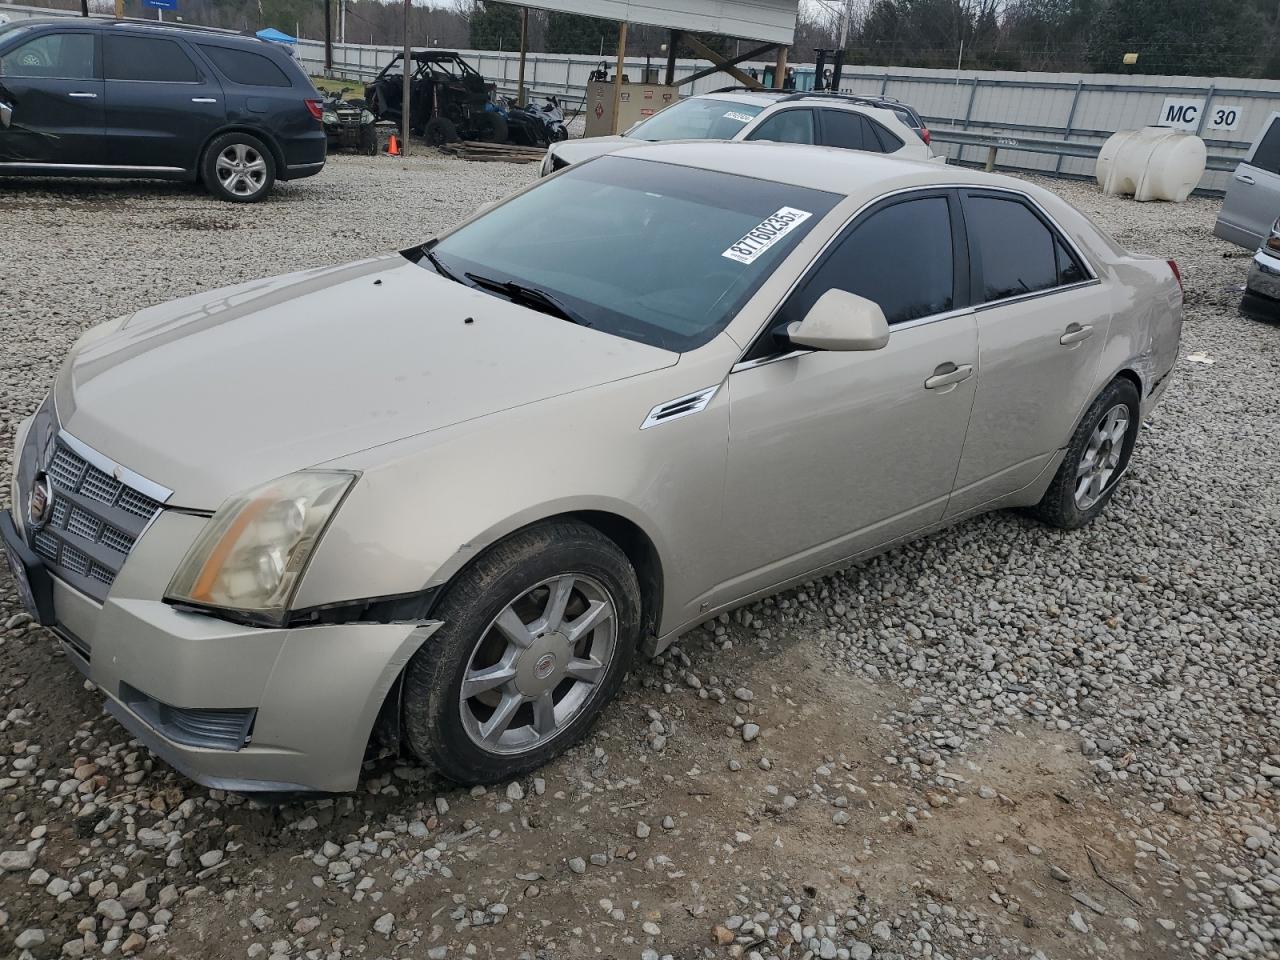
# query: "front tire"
238, 167
538, 634
1096, 459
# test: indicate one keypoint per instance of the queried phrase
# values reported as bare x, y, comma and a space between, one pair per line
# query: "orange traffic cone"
393, 147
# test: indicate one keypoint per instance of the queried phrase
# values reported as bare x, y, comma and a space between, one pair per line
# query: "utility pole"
328, 38
837, 69
524, 52
405, 94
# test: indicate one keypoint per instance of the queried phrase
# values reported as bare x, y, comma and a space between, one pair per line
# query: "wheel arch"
277, 154
625, 532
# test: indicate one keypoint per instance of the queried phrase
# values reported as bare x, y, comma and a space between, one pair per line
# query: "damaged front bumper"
241, 708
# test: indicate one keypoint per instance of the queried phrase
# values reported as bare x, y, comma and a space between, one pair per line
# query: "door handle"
1075, 333
83, 95
948, 374
204, 99
1245, 178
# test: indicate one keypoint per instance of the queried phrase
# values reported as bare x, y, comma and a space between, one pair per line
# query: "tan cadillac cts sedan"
439, 499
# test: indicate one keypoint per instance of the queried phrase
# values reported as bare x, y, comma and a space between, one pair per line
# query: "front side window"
146, 58
698, 119
61, 56
900, 257
789, 126
654, 252
1017, 250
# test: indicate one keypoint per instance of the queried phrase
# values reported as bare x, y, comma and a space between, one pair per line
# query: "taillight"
315, 108
924, 135
1177, 275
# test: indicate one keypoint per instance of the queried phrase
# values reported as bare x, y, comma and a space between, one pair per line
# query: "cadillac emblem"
40, 502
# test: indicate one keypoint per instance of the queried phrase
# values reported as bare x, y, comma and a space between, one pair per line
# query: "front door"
52, 84
1042, 326
834, 453
1252, 203
161, 106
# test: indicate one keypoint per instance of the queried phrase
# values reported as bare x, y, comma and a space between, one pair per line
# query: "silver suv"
447, 495
873, 125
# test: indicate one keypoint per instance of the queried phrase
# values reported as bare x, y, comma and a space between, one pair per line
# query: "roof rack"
742, 88
846, 97
173, 24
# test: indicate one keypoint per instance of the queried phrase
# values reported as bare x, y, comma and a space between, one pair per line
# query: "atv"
449, 99
349, 124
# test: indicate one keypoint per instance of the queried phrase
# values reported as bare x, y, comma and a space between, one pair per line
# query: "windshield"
662, 254
699, 118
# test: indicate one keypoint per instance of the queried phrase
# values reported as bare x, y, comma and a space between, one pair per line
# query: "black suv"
123, 98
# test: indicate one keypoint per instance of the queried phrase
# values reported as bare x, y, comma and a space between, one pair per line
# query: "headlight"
252, 552
328, 117
367, 117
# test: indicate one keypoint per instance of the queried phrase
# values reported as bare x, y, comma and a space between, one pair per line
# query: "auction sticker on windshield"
740, 117
765, 234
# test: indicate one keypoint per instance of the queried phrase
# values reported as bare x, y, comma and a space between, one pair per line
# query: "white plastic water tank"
1154, 163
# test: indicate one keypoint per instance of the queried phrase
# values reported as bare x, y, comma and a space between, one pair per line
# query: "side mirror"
6, 114
841, 321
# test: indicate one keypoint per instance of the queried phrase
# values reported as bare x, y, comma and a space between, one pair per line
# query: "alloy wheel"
1101, 457
241, 170
538, 664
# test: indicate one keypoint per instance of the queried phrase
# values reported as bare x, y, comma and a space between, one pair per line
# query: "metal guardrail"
1059, 148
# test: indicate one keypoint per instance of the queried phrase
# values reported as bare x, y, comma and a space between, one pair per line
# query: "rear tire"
238, 167
542, 628
491, 127
1096, 459
440, 131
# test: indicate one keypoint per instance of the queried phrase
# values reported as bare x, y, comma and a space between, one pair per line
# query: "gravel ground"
1003, 741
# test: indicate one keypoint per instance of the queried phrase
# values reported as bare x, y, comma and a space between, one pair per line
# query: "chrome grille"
140, 505
95, 522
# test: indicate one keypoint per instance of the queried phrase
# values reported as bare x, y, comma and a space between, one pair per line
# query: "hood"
575, 151
221, 391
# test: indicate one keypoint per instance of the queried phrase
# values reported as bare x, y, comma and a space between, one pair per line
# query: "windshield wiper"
428, 251
531, 297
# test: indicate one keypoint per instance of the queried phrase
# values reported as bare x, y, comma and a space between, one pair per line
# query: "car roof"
147, 26
851, 173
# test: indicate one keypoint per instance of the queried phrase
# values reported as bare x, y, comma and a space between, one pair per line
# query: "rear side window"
849, 131
789, 126
147, 58
1267, 156
901, 257
60, 56
1018, 252
246, 67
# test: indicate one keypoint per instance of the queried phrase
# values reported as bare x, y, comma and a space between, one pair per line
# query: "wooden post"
119, 9
672, 47
406, 96
991, 160
780, 70
524, 50
617, 79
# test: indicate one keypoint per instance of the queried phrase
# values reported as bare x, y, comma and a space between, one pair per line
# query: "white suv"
824, 119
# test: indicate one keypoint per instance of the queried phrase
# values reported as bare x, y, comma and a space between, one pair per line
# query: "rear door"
1043, 320
161, 105
1252, 202
54, 86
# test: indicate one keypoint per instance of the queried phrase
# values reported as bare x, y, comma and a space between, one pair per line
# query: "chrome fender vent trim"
680, 407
